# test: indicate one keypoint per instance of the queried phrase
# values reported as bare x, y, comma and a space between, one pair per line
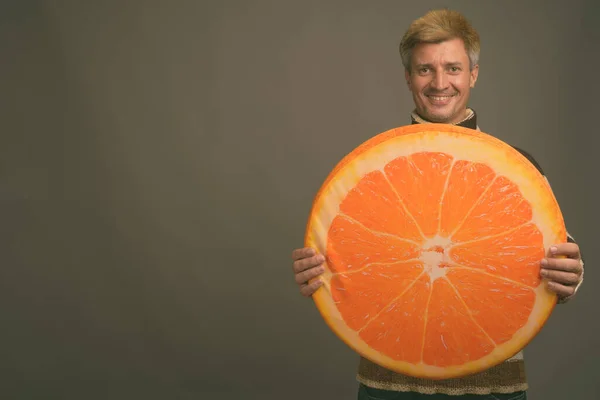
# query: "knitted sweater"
507, 377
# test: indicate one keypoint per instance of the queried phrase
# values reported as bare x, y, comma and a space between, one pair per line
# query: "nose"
439, 81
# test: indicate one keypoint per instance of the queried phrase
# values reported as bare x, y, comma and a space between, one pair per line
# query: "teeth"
440, 98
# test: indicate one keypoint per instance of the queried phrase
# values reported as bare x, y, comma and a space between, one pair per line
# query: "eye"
423, 70
454, 69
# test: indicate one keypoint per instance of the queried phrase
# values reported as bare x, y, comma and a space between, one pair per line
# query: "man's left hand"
563, 268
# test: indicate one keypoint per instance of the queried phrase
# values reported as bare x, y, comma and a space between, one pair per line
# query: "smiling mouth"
440, 98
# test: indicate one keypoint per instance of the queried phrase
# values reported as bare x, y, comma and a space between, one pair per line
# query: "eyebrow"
449, 64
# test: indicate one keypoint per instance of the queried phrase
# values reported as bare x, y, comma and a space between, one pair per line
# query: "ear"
474, 75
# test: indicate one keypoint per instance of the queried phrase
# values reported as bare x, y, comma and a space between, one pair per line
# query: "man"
440, 54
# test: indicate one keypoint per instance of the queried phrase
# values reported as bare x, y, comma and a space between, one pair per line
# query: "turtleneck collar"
470, 120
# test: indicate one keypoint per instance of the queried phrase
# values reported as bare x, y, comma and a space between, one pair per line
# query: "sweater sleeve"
570, 239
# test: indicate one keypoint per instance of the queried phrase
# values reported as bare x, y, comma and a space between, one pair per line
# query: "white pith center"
435, 255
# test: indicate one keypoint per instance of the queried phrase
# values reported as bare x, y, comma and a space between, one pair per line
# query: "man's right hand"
307, 265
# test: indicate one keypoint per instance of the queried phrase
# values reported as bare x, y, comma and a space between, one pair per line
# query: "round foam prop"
433, 236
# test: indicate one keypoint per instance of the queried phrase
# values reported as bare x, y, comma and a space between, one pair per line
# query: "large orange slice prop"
433, 236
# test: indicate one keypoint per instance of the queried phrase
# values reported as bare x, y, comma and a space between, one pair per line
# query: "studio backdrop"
158, 161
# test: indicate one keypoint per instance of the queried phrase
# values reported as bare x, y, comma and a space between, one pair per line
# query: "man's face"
440, 80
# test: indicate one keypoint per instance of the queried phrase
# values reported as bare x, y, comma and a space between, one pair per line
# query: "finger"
570, 250
307, 263
308, 274
561, 290
564, 278
311, 288
562, 264
304, 252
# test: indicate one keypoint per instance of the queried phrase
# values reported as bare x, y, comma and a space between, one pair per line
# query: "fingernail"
544, 262
553, 249
321, 258
544, 272
321, 269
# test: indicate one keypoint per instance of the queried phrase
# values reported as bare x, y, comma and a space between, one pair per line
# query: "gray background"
158, 161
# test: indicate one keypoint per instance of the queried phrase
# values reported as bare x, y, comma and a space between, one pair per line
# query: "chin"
439, 118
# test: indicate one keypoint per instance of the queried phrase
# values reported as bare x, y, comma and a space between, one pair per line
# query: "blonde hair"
438, 26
